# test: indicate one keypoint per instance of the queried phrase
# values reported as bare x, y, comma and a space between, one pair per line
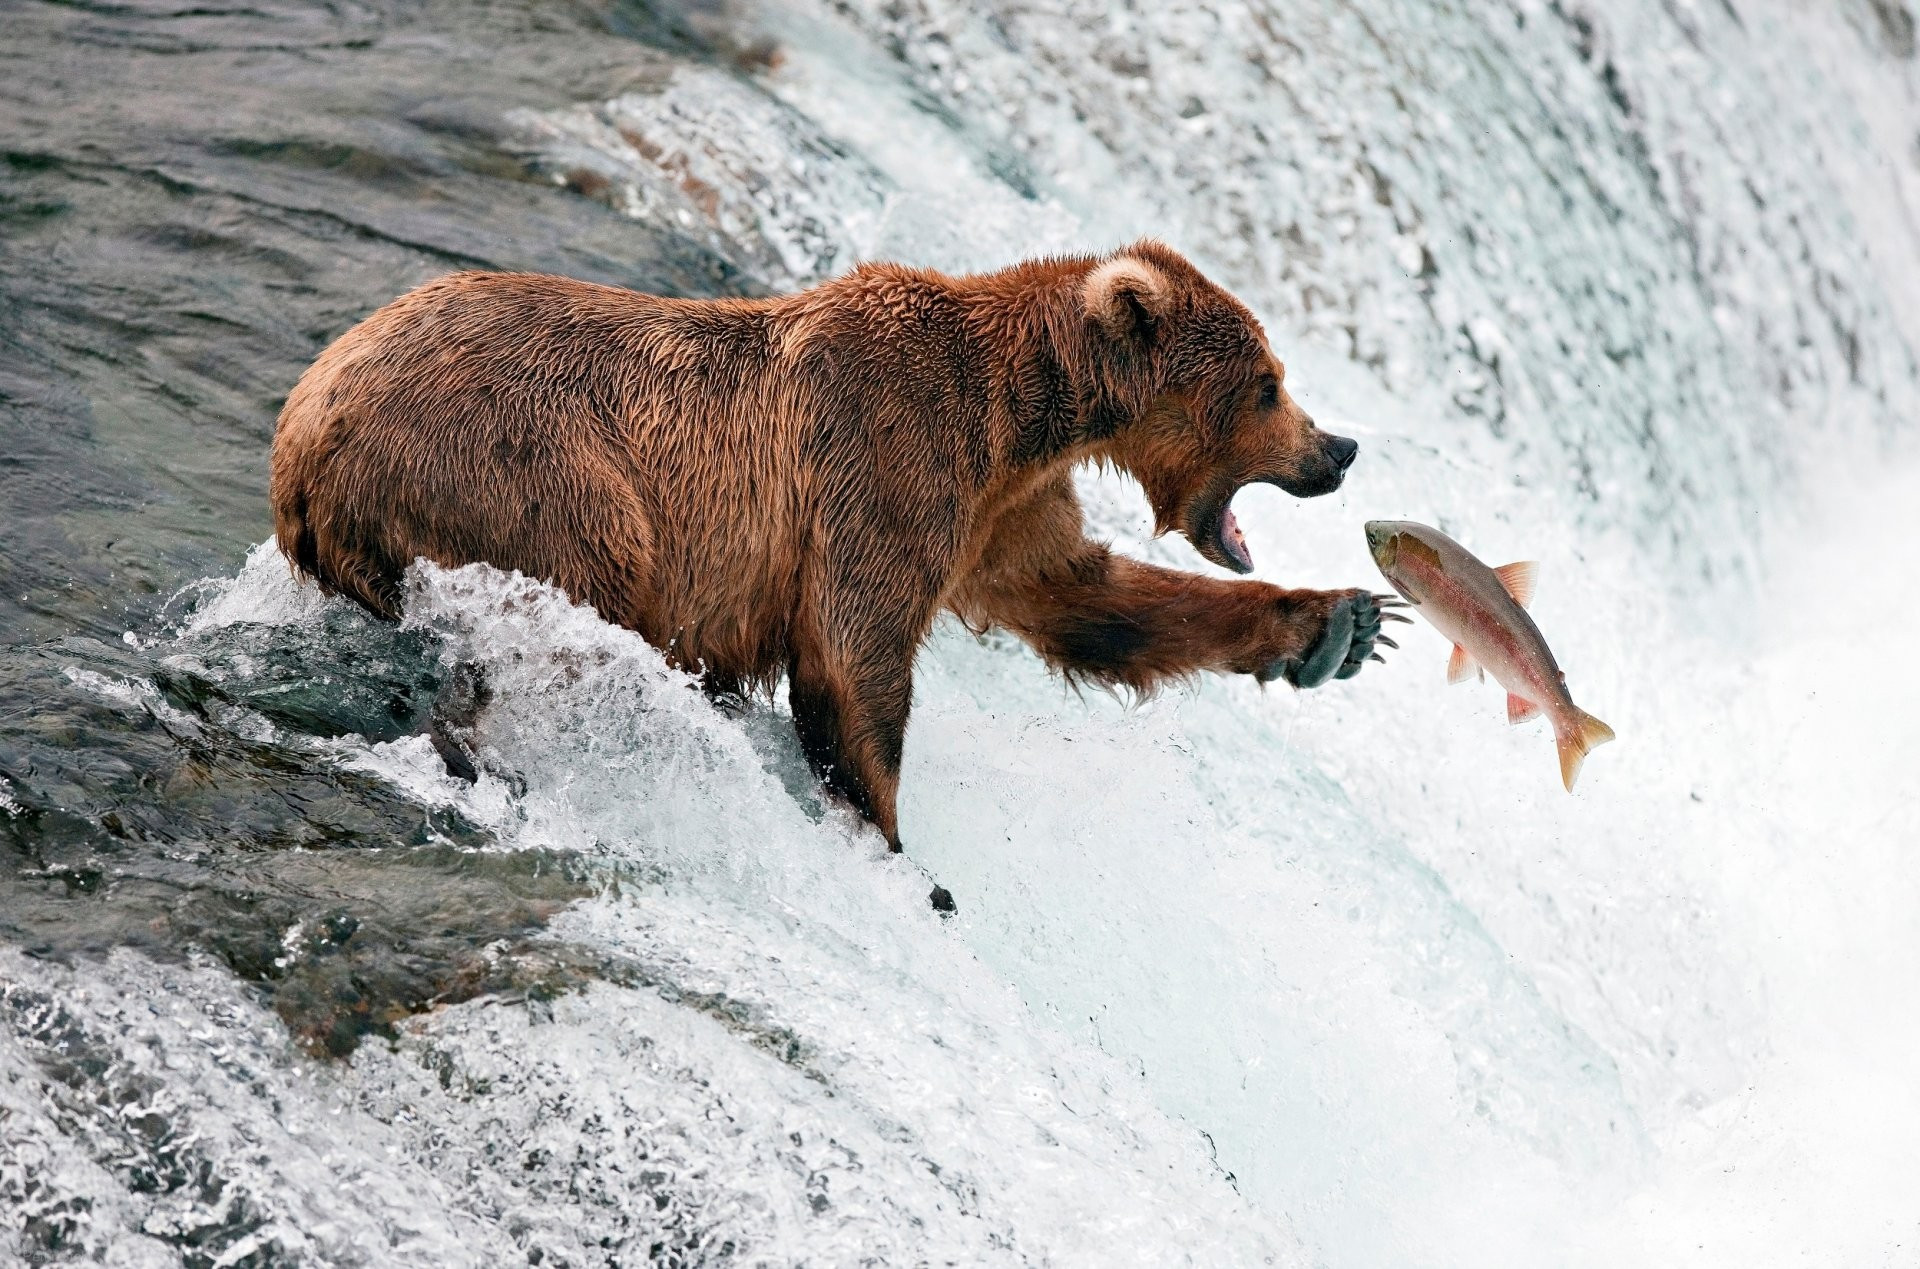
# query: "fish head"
1219, 419
1404, 555
1382, 542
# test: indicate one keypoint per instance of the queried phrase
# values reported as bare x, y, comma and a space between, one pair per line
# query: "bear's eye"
1269, 394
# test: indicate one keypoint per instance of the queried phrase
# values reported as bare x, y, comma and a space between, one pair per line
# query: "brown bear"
801, 485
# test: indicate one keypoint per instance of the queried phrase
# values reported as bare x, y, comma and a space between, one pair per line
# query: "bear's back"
635, 450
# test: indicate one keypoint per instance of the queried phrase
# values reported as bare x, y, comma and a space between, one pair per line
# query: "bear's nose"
1342, 450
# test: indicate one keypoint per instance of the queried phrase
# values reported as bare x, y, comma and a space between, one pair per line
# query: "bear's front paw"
1349, 629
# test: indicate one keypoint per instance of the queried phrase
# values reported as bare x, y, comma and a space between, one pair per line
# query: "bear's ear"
1126, 296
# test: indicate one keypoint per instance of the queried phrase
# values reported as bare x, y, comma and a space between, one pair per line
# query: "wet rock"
138, 816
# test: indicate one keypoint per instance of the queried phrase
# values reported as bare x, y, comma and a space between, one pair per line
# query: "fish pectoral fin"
1461, 666
1519, 578
1520, 709
1585, 733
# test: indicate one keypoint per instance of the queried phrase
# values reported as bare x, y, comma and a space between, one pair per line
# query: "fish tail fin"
1585, 732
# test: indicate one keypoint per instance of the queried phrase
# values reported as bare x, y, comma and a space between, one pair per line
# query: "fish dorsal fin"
1520, 709
1461, 666
1519, 580
1519, 577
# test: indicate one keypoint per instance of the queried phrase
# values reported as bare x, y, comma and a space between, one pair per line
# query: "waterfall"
1239, 976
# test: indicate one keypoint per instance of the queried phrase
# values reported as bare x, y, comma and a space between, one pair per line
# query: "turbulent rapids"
1239, 976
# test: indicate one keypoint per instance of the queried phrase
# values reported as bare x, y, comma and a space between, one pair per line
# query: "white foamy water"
1239, 976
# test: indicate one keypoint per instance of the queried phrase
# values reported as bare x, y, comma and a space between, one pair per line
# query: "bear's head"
1192, 402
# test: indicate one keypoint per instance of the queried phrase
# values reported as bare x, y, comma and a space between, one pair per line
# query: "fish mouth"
1218, 536
1380, 542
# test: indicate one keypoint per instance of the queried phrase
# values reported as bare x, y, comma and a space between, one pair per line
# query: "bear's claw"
1346, 644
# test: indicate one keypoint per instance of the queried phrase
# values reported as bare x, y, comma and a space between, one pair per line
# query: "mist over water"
1239, 976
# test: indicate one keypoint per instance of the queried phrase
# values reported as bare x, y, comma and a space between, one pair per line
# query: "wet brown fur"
801, 485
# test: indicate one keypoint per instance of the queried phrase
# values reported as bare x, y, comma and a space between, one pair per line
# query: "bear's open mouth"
1228, 540
1234, 542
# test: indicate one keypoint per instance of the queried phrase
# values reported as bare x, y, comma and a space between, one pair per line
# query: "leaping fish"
1484, 611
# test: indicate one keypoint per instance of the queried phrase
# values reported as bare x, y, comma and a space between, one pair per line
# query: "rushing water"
1239, 977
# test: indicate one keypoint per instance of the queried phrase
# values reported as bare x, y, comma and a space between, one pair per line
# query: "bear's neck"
1060, 403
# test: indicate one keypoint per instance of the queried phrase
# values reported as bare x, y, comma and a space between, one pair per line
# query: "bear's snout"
1323, 468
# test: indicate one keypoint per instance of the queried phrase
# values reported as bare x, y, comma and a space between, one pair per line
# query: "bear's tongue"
1232, 541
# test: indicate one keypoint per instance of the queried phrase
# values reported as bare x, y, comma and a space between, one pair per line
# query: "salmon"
1484, 611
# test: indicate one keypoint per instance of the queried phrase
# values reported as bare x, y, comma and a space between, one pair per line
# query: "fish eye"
1269, 394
